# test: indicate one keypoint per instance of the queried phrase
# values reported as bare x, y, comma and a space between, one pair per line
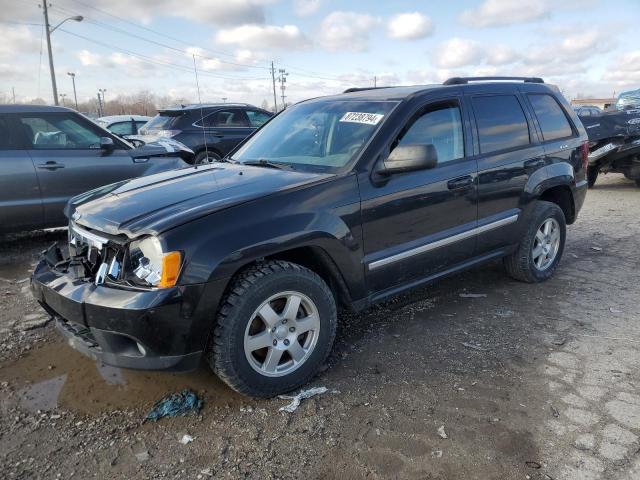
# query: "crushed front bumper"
161, 329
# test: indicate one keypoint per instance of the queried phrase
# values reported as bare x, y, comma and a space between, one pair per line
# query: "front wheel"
274, 330
541, 247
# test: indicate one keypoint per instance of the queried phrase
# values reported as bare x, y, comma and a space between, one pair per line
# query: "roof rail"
362, 89
465, 80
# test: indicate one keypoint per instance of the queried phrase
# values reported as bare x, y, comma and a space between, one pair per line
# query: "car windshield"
163, 121
321, 135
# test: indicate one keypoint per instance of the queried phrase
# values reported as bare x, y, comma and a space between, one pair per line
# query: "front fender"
325, 216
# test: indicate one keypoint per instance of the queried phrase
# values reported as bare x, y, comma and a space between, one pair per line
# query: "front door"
416, 224
20, 202
65, 149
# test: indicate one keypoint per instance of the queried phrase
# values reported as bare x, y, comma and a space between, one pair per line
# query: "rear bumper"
165, 329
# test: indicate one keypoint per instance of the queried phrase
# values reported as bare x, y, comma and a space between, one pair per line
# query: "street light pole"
103, 91
62, 95
49, 31
53, 74
73, 79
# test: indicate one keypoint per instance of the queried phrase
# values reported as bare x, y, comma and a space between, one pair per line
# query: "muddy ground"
529, 381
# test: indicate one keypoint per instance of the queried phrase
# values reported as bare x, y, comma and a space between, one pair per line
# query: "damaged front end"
107, 300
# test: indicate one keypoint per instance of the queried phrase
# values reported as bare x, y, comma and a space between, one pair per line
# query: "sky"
586, 47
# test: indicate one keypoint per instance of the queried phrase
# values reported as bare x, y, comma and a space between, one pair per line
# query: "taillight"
585, 156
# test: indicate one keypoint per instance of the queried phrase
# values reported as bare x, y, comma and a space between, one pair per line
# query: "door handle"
534, 164
460, 183
50, 165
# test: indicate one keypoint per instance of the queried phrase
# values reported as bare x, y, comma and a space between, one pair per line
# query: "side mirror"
106, 144
408, 158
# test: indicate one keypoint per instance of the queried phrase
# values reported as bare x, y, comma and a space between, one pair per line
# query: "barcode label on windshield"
359, 117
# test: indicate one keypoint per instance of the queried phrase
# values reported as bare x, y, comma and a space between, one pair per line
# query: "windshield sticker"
359, 117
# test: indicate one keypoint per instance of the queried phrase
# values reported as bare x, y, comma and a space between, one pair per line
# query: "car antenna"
204, 134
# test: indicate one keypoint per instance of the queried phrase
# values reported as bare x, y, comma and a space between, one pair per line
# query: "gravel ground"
520, 381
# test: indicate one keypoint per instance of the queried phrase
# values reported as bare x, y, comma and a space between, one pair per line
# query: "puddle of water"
42, 395
56, 375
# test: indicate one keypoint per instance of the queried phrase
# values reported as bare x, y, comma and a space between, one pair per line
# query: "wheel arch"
561, 195
553, 183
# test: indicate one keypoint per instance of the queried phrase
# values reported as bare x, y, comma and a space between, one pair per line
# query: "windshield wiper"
269, 164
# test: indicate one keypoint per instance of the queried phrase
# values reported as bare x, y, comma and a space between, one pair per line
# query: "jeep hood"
159, 202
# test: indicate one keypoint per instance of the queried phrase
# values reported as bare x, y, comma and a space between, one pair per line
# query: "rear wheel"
541, 247
274, 330
206, 157
592, 176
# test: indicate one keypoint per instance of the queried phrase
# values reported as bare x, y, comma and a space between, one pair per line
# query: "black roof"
17, 108
198, 106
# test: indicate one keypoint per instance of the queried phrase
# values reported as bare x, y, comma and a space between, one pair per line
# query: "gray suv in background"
50, 154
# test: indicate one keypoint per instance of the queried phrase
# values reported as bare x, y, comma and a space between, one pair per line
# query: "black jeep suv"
210, 130
338, 201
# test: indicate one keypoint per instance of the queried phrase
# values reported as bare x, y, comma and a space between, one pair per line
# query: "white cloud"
17, 41
624, 72
304, 8
347, 31
493, 13
409, 26
88, 59
263, 36
458, 52
500, 55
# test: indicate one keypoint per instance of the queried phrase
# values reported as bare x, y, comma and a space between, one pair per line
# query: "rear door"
508, 152
228, 128
20, 202
65, 149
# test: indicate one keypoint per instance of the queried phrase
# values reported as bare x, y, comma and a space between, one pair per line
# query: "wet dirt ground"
524, 381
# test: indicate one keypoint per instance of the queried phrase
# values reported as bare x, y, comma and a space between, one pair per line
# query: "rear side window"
229, 118
501, 122
164, 121
553, 122
122, 128
257, 119
441, 127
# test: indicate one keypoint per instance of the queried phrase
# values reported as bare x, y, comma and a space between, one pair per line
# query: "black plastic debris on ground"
174, 405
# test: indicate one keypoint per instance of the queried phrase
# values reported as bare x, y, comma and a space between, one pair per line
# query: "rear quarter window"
501, 122
551, 117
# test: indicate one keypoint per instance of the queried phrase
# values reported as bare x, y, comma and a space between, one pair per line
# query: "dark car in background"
50, 154
210, 130
338, 201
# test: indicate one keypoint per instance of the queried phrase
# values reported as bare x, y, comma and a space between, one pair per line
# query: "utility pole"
103, 91
73, 79
375, 82
13, 91
273, 78
99, 106
282, 78
48, 32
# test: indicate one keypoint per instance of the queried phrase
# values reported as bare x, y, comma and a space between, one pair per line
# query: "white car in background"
123, 125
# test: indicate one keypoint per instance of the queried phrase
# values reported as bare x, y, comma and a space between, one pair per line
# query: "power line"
155, 61
148, 40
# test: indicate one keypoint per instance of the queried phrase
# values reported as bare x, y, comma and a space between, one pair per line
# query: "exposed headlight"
153, 266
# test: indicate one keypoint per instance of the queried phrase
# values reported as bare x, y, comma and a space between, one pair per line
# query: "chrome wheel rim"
282, 334
546, 244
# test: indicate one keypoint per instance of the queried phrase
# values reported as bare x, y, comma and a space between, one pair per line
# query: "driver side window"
440, 126
57, 131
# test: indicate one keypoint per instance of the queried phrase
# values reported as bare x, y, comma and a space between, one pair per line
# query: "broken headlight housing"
152, 267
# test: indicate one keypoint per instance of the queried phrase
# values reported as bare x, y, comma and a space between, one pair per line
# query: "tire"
638, 182
276, 284
521, 264
206, 157
592, 176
